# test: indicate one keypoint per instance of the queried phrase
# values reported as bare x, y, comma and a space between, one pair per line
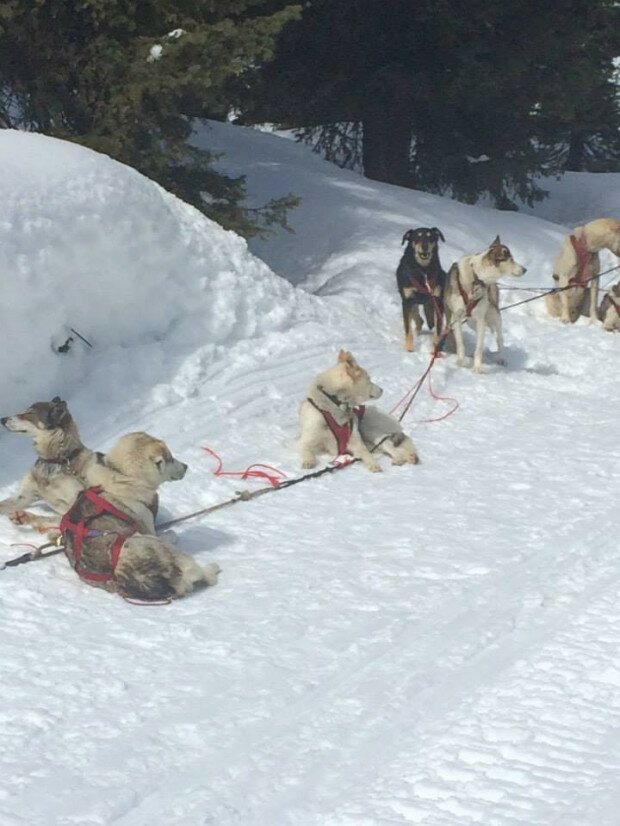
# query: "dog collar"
335, 400
66, 460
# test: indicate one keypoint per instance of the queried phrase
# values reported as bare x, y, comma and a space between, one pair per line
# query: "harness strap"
581, 251
470, 303
341, 432
80, 532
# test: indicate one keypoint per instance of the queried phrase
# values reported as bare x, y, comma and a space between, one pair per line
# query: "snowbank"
88, 243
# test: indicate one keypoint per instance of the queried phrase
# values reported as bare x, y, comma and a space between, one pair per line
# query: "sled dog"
62, 464
471, 295
576, 262
609, 311
147, 567
421, 281
332, 418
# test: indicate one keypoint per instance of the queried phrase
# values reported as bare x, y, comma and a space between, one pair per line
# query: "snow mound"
88, 243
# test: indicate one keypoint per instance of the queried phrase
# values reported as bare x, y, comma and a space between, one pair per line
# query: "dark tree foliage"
447, 96
125, 77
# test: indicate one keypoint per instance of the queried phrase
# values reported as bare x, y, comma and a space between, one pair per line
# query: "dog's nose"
4, 420
524, 270
184, 469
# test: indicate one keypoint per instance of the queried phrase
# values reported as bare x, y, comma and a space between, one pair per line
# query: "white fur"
350, 386
479, 277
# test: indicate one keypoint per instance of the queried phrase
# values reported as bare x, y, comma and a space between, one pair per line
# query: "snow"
433, 645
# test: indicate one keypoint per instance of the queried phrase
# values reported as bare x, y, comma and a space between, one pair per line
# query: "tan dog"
332, 420
471, 296
609, 311
576, 255
148, 568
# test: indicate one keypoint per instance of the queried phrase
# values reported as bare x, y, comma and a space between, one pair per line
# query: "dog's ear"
57, 412
438, 234
345, 357
496, 242
407, 236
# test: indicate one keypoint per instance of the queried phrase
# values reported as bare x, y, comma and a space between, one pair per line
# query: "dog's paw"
399, 462
212, 570
478, 368
414, 460
501, 362
374, 467
21, 517
307, 464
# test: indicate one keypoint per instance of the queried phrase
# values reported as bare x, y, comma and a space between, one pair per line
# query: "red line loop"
255, 471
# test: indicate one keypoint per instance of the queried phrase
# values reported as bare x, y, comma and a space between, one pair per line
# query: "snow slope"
434, 645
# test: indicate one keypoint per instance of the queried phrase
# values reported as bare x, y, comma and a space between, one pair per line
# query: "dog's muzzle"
179, 471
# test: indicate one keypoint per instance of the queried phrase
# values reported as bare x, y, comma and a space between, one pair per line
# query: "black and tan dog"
421, 281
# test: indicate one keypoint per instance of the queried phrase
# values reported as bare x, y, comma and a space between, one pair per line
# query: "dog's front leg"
594, 300
27, 494
480, 328
564, 307
460, 344
495, 322
358, 450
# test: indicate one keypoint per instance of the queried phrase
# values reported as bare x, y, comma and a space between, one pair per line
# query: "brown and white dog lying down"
576, 262
333, 419
59, 473
129, 476
609, 311
471, 296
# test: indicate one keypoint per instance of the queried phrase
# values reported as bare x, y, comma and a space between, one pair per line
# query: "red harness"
470, 303
341, 432
80, 531
581, 251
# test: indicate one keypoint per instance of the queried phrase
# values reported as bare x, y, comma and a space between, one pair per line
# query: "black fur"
419, 274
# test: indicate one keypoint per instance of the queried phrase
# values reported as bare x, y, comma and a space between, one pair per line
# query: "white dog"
576, 263
472, 296
333, 419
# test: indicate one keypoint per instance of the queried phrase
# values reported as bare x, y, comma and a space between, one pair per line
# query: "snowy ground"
434, 645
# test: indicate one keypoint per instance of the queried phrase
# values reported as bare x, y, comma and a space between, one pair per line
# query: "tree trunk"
576, 159
386, 147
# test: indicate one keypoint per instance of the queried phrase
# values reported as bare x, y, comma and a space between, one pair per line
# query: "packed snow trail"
436, 644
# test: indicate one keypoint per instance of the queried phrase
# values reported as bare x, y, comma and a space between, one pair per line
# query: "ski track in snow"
436, 644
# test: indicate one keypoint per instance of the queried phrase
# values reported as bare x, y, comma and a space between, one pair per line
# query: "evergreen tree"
125, 77
447, 96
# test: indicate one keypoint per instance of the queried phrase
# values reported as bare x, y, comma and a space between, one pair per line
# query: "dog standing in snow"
334, 420
421, 280
472, 296
576, 263
609, 311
